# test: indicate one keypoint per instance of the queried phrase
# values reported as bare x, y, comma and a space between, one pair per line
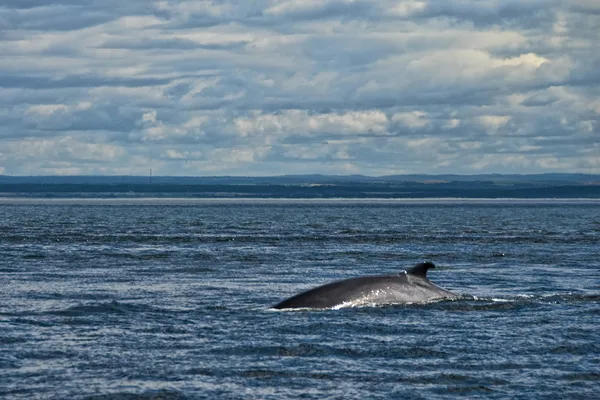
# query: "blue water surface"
171, 300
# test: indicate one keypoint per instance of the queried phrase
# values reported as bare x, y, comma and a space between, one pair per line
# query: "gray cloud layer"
273, 87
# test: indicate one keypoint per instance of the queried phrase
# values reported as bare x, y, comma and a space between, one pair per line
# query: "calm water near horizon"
171, 299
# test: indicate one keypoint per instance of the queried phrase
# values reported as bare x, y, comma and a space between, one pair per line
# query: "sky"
269, 87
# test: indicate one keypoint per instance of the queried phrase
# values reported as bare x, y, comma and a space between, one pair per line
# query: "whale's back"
407, 287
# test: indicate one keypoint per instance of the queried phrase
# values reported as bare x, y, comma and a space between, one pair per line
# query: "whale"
409, 286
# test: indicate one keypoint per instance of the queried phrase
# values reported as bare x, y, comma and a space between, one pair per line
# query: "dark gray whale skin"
410, 286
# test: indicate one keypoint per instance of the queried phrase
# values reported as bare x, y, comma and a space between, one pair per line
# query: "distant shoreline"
283, 201
306, 187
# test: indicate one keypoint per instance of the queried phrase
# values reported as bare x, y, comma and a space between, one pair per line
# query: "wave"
112, 307
475, 303
162, 394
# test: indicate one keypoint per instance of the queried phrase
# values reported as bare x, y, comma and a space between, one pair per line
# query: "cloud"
201, 87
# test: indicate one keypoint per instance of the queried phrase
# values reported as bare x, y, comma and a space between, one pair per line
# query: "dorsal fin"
420, 269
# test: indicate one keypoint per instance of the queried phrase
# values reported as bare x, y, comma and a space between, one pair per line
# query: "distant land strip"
306, 186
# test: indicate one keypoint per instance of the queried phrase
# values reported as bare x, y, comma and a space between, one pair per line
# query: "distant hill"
554, 178
307, 186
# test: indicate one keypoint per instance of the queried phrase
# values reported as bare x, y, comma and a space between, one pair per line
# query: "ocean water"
171, 300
